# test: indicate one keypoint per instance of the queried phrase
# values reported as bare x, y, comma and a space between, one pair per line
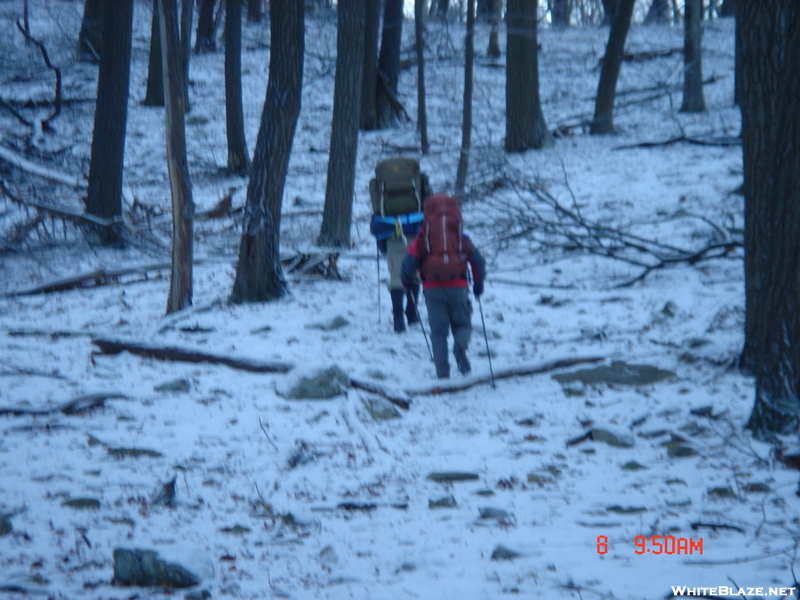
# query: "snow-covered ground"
325, 499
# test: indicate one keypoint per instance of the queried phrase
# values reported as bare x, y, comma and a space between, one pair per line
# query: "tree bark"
90, 38
369, 83
154, 95
770, 103
693, 98
466, 125
389, 63
338, 210
187, 12
609, 10
422, 112
658, 13
525, 124
603, 121
180, 289
560, 12
204, 40
104, 193
238, 156
493, 51
254, 11
259, 275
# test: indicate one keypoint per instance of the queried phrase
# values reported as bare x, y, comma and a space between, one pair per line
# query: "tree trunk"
259, 275
659, 13
483, 10
493, 51
440, 8
466, 125
525, 124
204, 40
254, 11
154, 95
728, 8
369, 83
238, 156
560, 12
187, 12
422, 112
770, 102
389, 63
693, 99
603, 121
90, 38
180, 289
609, 10
104, 194
338, 210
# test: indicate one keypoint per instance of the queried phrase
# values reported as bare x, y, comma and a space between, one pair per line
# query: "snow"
329, 502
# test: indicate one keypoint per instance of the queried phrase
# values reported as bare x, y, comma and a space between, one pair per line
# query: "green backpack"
397, 188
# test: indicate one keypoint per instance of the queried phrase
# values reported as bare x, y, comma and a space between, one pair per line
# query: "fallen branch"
43, 50
95, 278
172, 353
711, 141
21, 163
401, 401
57, 211
519, 371
70, 407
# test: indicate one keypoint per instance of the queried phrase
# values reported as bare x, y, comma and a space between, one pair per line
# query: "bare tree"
187, 12
693, 99
238, 156
387, 105
419, 35
770, 102
525, 124
154, 94
369, 83
338, 210
560, 12
466, 125
205, 40
259, 275
104, 194
90, 38
609, 9
603, 121
254, 11
180, 289
659, 12
493, 51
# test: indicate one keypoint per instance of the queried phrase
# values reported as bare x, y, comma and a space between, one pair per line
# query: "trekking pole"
421, 324
378, 269
486, 337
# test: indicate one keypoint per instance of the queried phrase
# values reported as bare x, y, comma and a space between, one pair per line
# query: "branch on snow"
57, 108
173, 353
518, 371
70, 407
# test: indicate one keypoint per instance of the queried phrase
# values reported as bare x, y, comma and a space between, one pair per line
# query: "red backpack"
445, 249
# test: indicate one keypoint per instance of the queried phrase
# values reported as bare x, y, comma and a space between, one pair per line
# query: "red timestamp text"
657, 544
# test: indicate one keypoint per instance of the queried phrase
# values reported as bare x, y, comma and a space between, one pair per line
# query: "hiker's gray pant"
449, 309
396, 248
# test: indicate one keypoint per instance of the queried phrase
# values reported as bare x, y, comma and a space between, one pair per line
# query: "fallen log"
173, 353
518, 371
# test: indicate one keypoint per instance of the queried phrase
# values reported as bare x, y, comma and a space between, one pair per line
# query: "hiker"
441, 253
397, 193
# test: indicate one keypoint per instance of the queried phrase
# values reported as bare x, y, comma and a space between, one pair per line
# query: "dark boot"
462, 362
397, 310
412, 306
